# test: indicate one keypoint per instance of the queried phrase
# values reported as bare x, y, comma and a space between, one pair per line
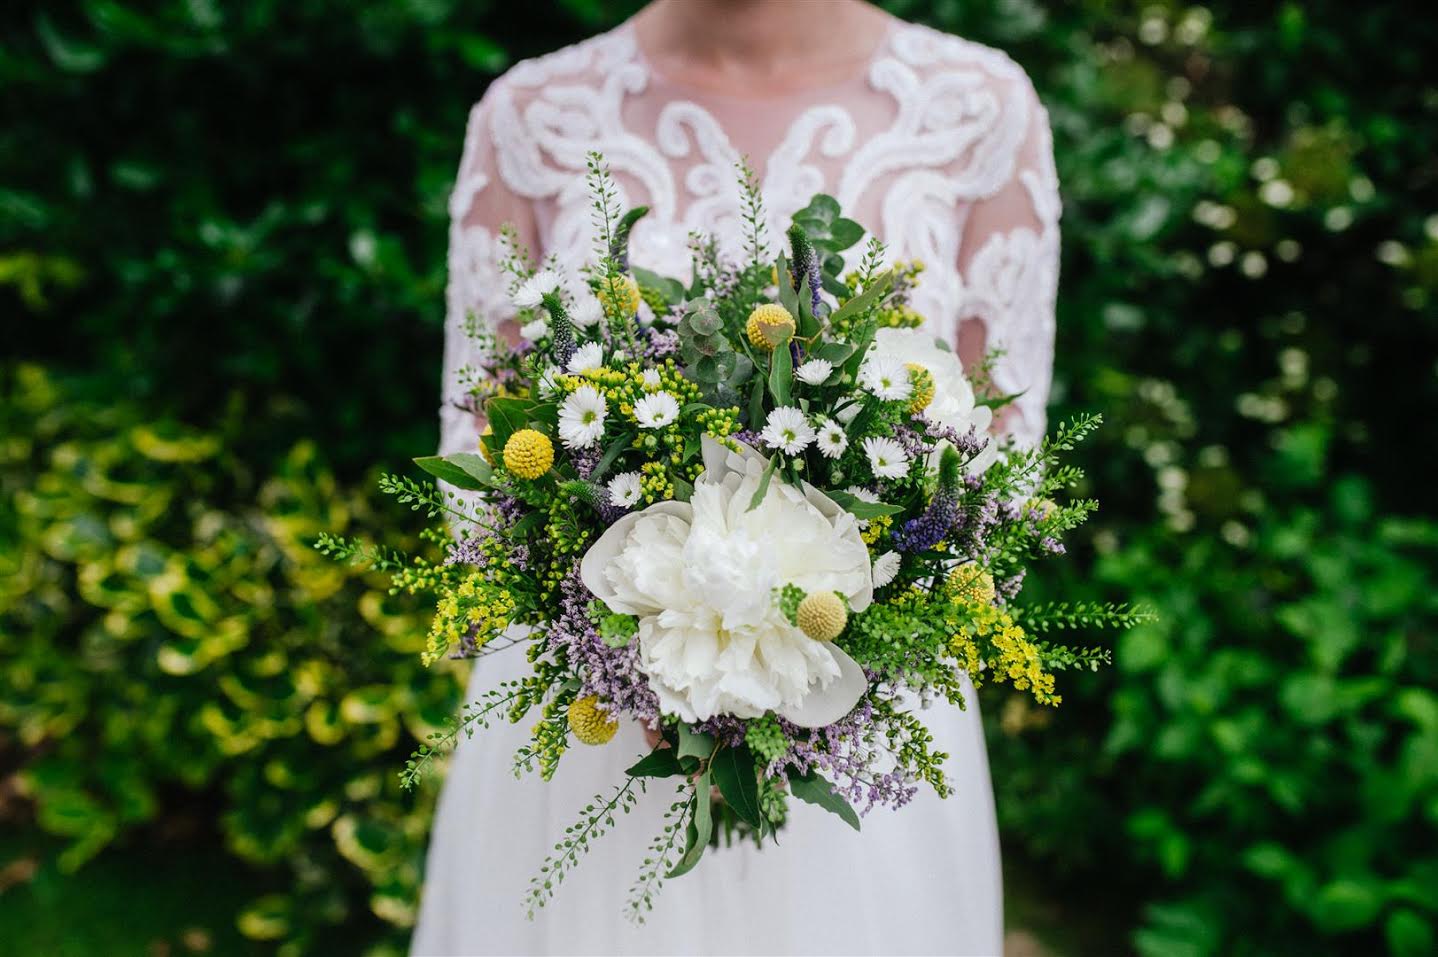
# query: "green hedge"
235, 218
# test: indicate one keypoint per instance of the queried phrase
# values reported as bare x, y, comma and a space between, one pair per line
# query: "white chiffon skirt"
922, 880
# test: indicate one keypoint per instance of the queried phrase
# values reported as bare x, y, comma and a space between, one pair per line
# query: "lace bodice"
939, 146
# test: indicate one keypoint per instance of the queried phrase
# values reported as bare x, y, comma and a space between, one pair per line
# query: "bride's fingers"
653, 737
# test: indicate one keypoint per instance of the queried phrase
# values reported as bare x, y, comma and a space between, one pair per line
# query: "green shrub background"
221, 266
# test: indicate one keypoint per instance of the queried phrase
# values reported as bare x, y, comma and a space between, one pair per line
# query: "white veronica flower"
885, 377
535, 330
656, 411
702, 577
586, 313
787, 430
531, 292
651, 380
586, 358
581, 417
886, 566
832, 439
814, 372
953, 405
624, 489
886, 457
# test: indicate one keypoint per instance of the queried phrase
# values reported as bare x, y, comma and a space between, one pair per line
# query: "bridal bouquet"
760, 513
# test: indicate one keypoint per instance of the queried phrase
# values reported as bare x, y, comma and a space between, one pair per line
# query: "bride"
941, 148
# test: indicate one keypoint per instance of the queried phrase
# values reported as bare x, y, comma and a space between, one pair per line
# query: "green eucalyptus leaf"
738, 781
813, 789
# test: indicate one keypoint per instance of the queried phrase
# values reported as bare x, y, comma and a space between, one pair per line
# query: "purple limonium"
611, 673
464, 552
660, 344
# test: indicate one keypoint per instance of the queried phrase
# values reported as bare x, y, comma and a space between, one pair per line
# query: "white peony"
953, 404
702, 577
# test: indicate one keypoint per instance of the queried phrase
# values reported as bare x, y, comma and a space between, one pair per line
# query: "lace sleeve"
1009, 264
476, 295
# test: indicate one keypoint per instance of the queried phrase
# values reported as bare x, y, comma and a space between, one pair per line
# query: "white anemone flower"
532, 291
953, 405
814, 372
886, 457
886, 566
656, 411
832, 439
535, 330
885, 377
586, 313
625, 490
586, 358
581, 417
787, 430
702, 577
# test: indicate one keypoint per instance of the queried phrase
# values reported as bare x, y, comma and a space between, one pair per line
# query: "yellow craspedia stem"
528, 454
769, 325
590, 723
821, 615
922, 381
619, 295
484, 449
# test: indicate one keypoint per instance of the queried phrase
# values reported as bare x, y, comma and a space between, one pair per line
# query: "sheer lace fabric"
939, 146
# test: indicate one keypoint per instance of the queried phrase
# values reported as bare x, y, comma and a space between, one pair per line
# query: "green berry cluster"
766, 739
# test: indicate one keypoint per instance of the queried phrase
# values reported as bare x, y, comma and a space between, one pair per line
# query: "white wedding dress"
939, 146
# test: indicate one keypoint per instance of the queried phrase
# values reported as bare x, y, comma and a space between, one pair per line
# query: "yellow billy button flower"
620, 295
528, 454
971, 585
922, 381
591, 724
821, 615
484, 449
769, 325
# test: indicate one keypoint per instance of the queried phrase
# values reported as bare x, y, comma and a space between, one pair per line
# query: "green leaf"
807, 325
671, 289
446, 471
610, 454
861, 509
695, 745
781, 374
473, 464
738, 781
844, 233
865, 300
835, 353
701, 825
756, 403
812, 789
527, 524
660, 763
788, 298
763, 488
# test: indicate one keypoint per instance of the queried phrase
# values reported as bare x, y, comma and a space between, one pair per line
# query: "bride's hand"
653, 737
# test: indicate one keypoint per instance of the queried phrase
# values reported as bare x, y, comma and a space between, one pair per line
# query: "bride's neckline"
858, 73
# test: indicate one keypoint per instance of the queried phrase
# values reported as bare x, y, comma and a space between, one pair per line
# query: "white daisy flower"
886, 377
787, 430
814, 372
531, 292
656, 411
624, 489
886, 457
832, 439
581, 417
586, 313
536, 330
886, 566
849, 412
651, 379
586, 358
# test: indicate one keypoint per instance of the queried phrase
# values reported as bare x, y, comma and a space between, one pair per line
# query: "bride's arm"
476, 294
1009, 262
